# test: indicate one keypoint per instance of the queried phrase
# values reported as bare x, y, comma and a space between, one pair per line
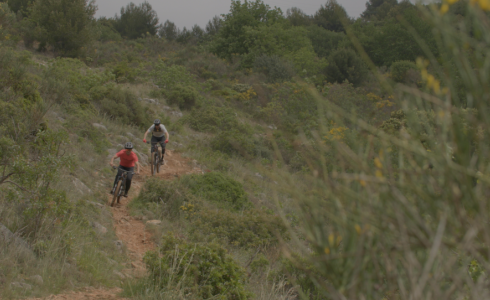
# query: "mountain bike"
120, 186
155, 159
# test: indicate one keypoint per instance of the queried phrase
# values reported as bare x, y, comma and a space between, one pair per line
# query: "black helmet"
128, 145
156, 122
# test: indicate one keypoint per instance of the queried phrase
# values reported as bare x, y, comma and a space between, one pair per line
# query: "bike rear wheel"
117, 191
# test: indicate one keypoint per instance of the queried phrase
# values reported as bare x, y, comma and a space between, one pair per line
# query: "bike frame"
117, 194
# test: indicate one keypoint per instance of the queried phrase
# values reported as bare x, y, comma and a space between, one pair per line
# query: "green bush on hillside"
399, 70
274, 68
234, 142
217, 187
212, 118
204, 270
169, 76
183, 96
299, 273
345, 64
120, 104
250, 229
165, 197
123, 72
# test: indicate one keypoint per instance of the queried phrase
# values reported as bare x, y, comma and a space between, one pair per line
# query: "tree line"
320, 47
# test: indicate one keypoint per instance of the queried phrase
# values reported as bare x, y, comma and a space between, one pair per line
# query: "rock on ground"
99, 126
99, 228
119, 245
81, 187
154, 222
143, 158
36, 279
8, 238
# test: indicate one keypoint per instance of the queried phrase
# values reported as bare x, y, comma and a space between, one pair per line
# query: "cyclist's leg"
129, 178
162, 144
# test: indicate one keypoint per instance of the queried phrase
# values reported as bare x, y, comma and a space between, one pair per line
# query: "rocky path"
130, 231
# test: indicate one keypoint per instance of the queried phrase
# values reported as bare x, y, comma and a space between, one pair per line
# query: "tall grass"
403, 213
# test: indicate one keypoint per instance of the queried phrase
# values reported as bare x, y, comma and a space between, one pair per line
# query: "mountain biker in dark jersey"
158, 133
127, 161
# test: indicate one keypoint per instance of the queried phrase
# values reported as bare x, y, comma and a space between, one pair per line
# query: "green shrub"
212, 118
183, 96
300, 273
217, 187
81, 125
213, 85
274, 68
168, 77
251, 229
123, 72
259, 263
205, 270
166, 197
120, 104
234, 142
399, 70
345, 64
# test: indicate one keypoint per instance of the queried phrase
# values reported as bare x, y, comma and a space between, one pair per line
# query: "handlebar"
118, 168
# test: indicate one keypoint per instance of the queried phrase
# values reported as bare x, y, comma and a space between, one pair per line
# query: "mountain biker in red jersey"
127, 161
158, 133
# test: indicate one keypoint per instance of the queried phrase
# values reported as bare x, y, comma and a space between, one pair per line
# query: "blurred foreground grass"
401, 211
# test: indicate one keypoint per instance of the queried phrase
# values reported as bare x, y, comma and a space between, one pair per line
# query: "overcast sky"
190, 12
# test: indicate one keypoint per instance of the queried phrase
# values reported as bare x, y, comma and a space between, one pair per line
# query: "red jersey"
127, 161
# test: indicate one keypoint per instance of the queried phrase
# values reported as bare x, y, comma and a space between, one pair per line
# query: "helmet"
128, 145
156, 122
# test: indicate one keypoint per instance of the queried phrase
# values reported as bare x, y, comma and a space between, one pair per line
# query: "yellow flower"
358, 229
379, 174
484, 4
378, 163
331, 239
451, 2
327, 250
444, 9
362, 182
437, 87
430, 80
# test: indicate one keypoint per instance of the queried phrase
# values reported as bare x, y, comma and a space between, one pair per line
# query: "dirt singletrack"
131, 231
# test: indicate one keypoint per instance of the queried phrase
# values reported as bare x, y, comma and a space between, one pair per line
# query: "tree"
65, 25
297, 17
106, 30
19, 6
378, 9
331, 16
169, 31
345, 64
393, 41
242, 16
136, 21
325, 41
213, 26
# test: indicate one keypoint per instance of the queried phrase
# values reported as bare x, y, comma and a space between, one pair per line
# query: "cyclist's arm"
145, 134
166, 135
112, 160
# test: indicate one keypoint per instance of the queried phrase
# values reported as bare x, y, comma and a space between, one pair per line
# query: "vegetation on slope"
343, 158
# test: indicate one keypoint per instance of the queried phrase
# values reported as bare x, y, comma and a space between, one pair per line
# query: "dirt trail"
130, 231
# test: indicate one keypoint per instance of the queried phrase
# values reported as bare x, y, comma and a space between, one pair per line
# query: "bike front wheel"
117, 191
154, 164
